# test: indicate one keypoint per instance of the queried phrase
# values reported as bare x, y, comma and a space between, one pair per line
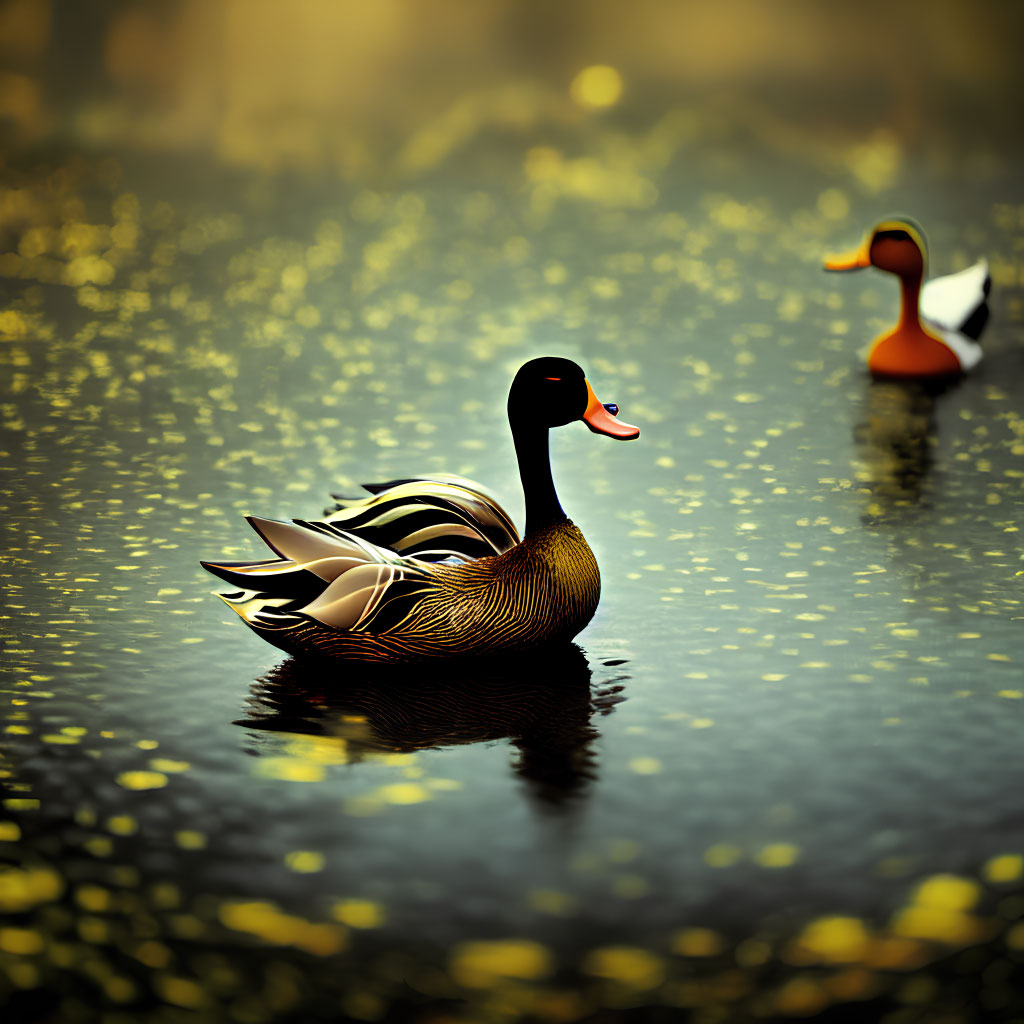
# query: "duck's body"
543, 590
940, 319
454, 578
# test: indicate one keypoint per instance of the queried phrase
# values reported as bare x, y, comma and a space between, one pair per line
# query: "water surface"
779, 776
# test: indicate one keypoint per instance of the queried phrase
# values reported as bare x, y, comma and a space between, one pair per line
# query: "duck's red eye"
552, 378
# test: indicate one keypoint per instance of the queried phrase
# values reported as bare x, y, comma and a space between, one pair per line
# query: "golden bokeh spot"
9, 832
722, 855
123, 825
629, 965
777, 855
831, 940
189, 839
597, 86
947, 892
319, 749
142, 780
482, 964
358, 913
267, 922
21, 941
1006, 867
179, 991
697, 942
92, 897
119, 990
936, 924
304, 862
404, 793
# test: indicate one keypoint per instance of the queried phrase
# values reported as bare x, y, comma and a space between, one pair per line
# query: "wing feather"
469, 512
950, 302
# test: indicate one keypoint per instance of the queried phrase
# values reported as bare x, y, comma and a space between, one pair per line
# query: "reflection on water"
896, 436
543, 702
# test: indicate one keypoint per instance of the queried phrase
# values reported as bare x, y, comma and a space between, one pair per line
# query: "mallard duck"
940, 320
433, 567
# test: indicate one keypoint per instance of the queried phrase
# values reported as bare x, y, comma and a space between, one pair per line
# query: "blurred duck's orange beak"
601, 419
851, 260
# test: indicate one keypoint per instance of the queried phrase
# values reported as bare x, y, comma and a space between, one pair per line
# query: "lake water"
779, 776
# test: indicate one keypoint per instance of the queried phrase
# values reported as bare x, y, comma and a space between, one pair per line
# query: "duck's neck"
910, 291
542, 507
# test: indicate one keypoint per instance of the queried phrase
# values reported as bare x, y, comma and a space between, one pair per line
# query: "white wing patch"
967, 351
948, 302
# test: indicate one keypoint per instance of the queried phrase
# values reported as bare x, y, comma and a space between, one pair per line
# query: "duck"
433, 567
941, 319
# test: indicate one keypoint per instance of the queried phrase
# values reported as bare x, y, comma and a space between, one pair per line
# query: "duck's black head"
551, 391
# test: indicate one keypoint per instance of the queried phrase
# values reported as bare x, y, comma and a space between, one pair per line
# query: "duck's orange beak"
852, 260
601, 419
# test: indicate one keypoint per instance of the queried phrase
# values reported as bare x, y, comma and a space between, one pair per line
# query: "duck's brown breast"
542, 590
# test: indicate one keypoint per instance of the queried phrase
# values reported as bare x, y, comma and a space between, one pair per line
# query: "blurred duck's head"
896, 245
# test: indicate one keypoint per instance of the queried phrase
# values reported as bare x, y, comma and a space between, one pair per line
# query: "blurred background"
398, 86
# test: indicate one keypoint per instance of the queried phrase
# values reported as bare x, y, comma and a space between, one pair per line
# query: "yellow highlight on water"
142, 780
833, 940
268, 923
304, 862
1007, 867
358, 913
597, 86
481, 964
631, 966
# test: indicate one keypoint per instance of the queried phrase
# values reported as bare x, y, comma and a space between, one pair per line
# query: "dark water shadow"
897, 435
544, 702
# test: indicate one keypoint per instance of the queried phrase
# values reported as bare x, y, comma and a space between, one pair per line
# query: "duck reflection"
897, 436
543, 702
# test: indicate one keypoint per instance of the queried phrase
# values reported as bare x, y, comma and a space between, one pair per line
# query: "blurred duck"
433, 567
940, 320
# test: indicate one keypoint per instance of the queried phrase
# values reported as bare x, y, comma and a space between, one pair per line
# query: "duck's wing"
433, 518
958, 302
322, 573
966, 349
